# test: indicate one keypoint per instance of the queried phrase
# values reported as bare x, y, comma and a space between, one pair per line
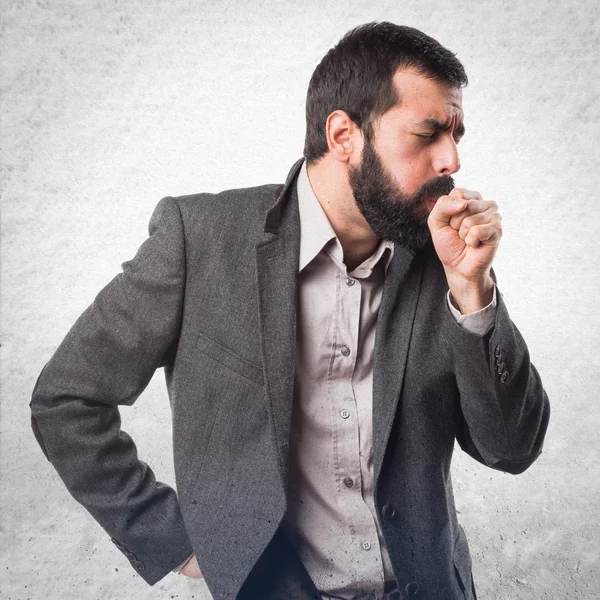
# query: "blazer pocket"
229, 359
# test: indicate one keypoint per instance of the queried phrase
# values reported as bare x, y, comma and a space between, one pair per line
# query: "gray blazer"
211, 297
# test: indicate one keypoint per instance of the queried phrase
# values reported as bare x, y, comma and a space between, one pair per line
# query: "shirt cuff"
477, 322
185, 562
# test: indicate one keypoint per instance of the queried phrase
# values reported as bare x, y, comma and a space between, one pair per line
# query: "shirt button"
348, 482
345, 350
350, 282
349, 399
366, 545
370, 597
344, 413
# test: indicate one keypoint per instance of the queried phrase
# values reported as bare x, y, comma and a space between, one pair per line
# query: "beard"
392, 214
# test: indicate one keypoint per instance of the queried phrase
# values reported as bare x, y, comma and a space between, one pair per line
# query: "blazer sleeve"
106, 360
503, 408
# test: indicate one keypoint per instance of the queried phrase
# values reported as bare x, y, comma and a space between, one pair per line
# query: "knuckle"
463, 230
475, 206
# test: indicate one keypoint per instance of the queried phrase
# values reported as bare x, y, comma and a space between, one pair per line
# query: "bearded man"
325, 342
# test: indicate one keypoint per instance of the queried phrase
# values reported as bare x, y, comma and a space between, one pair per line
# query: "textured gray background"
108, 106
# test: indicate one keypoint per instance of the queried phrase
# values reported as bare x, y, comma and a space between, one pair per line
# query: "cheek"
413, 156
409, 163
411, 174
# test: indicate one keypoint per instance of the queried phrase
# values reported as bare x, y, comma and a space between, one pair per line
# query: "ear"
344, 138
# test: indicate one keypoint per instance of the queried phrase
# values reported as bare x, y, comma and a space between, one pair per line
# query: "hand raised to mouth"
466, 231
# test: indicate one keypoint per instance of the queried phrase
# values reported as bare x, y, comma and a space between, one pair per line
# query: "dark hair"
356, 76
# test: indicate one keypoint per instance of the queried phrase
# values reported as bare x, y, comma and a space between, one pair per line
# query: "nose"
446, 160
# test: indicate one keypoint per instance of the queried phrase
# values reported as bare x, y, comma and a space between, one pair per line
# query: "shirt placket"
362, 382
347, 434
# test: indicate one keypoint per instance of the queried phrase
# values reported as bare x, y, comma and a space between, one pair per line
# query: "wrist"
184, 563
470, 296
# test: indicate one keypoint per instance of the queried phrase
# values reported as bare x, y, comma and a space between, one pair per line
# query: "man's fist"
191, 569
466, 232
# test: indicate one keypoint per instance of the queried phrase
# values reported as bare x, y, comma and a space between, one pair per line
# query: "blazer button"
388, 511
499, 359
504, 376
348, 482
497, 350
500, 368
412, 588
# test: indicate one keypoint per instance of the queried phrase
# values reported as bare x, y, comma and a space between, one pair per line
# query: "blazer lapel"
392, 338
277, 259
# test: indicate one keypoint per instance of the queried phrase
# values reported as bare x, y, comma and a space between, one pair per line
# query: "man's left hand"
466, 232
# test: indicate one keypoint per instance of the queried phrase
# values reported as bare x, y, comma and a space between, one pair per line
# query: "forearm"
98, 464
106, 360
504, 406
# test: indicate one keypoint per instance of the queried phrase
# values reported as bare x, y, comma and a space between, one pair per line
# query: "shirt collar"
316, 232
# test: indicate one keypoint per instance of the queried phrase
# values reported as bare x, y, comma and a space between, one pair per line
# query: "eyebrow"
438, 125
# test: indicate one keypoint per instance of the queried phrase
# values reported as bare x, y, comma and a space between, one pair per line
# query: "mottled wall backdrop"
109, 106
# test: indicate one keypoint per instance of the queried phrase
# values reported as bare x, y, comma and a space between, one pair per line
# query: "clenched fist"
466, 232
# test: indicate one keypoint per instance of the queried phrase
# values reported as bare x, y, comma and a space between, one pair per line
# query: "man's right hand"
192, 569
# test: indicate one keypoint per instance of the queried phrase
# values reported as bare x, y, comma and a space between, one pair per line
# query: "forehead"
422, 98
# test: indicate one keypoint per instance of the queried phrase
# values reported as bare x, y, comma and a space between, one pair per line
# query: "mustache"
434, 188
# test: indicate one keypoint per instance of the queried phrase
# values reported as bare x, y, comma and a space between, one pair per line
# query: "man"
324, 343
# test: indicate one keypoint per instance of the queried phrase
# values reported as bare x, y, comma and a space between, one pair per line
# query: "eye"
426, 137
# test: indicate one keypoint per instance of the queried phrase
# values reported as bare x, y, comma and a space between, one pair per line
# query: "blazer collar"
276, 214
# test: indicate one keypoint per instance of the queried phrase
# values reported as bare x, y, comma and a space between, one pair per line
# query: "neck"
329, 181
